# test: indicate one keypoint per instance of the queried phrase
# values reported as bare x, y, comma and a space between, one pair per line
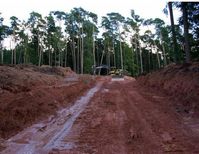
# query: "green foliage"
71, 39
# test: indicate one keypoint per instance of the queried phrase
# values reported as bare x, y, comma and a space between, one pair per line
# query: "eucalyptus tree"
186, 30
189, 22
175, 49
136, 22
130, 27
112, 23
51, 29
94, 18
3, 34
108, 36
24, 38
70, 29
38, 30
60, 17
14, 31
159, 29
75, 29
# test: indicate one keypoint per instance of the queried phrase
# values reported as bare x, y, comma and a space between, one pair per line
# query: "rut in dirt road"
115, 117
48, 135
124, 118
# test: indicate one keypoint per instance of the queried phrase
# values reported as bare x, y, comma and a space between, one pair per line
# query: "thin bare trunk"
59, 62
140, 53
121, 54
175, 50
82, 53
141, 64
40, 56
66, 52
149, 61
2, 57
74, 55
94, 63
132, 49
114, 54
186, 32
1, 50
158, 59
78, 52
108, 56
12, 53
136, 54
163, 48
38, 49
101, 62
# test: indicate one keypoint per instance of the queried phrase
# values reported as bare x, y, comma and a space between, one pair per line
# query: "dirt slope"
29, 93
180, 82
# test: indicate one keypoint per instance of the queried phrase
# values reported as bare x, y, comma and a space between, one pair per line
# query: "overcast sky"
22, 8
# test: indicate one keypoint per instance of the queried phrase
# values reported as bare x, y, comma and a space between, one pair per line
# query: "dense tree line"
72, 40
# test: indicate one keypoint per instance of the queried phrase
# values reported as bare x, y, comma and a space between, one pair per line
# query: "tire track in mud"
121, 120
48, 135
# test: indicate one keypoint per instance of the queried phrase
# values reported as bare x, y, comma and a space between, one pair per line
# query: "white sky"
22, 8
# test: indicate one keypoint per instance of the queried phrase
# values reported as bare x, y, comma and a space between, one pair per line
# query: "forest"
78, 40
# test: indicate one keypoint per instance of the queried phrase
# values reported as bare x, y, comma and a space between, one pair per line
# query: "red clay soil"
125, 118
29, 93
180, 82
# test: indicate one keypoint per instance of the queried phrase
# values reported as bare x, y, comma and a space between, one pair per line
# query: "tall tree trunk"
74, 55
49, 57
55, 58
136, 54
78, 52
141, 63
175, 49
186, 32
108, 56
38, 49
121, 54
2, 54
40, 56
2, 57
101, 62
12, 52
59, 62
94, 62
82, 53
25, 52
163, 48
15, 57
114, 60
149, 60
66, 54
158, 59
132, 49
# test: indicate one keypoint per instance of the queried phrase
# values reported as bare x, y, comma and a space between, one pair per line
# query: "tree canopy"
70, 39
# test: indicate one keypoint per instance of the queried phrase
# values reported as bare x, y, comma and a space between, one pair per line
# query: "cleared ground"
119, 117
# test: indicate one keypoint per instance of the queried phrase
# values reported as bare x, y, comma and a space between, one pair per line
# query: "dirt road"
114, 117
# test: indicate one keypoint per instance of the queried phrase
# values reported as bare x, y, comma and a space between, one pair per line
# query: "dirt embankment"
181, 82
30, 93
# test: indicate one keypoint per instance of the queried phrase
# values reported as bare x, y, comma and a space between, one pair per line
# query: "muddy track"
49, 134
115, 117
